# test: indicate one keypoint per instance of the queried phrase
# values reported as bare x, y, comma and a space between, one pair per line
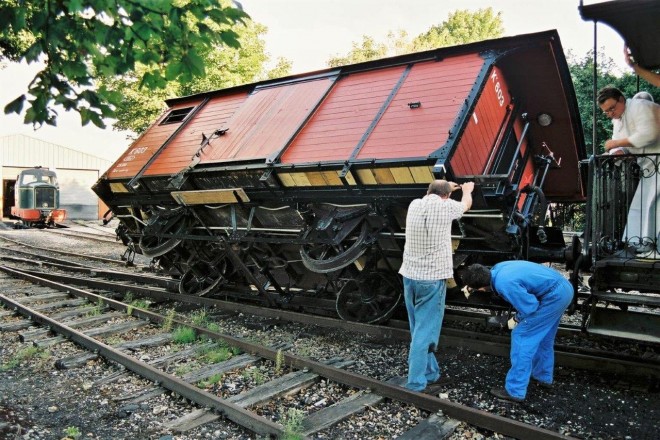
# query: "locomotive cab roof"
638, 23
37, 175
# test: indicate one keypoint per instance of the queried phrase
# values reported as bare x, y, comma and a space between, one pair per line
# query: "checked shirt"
427, 251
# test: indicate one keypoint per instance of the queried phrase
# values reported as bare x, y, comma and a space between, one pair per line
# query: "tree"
225, 67
461, 27
80, 40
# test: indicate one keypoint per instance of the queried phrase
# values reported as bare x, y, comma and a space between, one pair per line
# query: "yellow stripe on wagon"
207, 196
313, 178
395, 175
118, 187
367, 176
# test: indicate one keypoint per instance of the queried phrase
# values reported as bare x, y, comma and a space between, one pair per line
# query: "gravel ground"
39, 402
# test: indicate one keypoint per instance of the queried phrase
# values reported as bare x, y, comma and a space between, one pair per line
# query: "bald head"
440, 187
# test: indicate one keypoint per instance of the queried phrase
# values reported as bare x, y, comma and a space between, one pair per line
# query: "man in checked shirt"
427, 264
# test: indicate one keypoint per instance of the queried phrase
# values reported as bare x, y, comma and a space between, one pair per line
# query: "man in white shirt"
427, 264
636, 130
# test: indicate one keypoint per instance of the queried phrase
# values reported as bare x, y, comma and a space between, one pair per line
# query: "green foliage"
80, 40
293, 424
568, 216
169, 320
72, 432
208, 383
224, 67
367, 50
136, 303
219, 353
279, 362
199, 317
184, 335
184, 369
254, 374
461, 27
95, 310
24, 354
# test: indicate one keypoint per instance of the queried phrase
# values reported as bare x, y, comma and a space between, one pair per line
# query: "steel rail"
480, 342
166, 283
427, 402
73, 254
83, 235
243, 417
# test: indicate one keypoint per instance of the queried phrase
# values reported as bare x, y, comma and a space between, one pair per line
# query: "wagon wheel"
153, 244
202, 278
371, 299
327, 257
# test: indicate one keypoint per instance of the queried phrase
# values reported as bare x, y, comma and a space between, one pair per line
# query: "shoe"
546, 385
643, 248
502, 393
433, 388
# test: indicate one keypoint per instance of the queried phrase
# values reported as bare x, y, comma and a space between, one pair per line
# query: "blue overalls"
540, 296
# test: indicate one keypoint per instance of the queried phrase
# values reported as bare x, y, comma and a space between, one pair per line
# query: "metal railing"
625, 206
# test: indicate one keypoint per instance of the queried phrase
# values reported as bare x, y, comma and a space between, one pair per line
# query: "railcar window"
28, 178
177, 115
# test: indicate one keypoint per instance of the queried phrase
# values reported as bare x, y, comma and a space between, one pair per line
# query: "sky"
309, 32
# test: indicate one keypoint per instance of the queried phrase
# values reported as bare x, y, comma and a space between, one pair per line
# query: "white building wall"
23, 151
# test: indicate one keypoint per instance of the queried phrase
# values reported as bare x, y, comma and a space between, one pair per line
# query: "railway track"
159, 289
45, 307
249, 319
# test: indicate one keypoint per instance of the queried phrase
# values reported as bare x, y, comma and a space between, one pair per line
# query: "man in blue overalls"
540, 296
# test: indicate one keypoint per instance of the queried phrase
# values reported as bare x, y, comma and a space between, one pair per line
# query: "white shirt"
427, 252
640, 123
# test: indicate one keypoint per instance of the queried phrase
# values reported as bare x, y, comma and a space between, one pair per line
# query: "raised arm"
467, 188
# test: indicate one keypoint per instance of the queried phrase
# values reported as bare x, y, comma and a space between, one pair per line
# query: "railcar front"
37, 198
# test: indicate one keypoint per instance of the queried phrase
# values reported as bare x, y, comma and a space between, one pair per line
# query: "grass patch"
293, 424
97, 309
217, 354
25, 354
184, 335
200, 318
72, 432
279, 362
169, 320
184, 369
208, 383
254, 374
136, 303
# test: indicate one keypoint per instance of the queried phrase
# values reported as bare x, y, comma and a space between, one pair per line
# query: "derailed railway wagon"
298, 187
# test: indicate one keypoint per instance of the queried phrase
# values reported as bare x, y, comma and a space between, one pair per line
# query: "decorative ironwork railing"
625, 206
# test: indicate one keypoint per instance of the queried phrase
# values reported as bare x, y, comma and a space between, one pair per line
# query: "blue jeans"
425, 303
532, 341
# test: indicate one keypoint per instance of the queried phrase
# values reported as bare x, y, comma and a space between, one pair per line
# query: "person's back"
640, 123
427, 251
534, 278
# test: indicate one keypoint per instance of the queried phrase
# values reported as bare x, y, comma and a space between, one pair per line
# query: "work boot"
544, 385
502, 393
